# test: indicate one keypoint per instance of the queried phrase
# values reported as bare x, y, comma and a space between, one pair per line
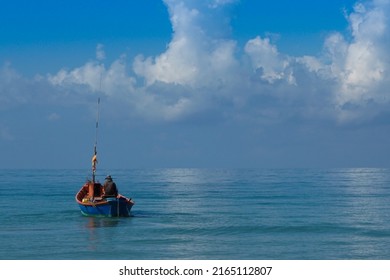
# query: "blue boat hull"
111, 208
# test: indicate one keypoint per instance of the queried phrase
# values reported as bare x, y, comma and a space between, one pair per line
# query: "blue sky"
213, 83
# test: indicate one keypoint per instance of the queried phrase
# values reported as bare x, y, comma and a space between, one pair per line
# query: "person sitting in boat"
110, 188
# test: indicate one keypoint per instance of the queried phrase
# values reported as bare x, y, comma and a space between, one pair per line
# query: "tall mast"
94, 158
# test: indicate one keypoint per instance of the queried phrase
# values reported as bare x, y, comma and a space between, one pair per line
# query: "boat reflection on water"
94, 241
101, 222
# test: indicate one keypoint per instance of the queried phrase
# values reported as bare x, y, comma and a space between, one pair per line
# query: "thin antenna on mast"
97, 122
94, 158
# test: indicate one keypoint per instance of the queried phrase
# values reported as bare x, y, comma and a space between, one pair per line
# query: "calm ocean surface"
201, 214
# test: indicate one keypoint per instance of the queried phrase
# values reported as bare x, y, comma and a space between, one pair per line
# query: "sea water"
219, 214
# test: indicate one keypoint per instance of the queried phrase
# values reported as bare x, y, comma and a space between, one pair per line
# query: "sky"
189, 83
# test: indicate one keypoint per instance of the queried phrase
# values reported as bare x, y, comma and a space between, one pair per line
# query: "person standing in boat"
110, 188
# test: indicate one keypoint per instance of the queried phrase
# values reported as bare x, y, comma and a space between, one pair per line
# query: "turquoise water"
201, 214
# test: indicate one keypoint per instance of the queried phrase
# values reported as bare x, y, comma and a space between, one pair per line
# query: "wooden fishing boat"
92, 198
93, 202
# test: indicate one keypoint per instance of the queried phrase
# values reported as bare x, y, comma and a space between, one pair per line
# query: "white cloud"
53, 117
203, 70
10, 81
266, 59
179, 64
218, 3
100, 54
361, 65
112, 81
194, 57
89, 74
